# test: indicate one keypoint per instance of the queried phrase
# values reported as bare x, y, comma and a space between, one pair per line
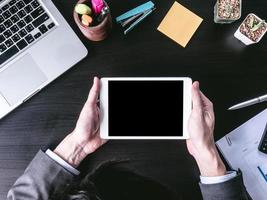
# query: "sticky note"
180, 24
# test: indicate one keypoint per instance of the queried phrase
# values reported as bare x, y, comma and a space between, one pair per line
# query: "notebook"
240, 149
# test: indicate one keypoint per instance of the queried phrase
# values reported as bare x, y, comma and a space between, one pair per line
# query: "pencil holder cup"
98, 31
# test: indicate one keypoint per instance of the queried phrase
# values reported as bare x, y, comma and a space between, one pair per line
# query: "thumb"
196, 96
94, 92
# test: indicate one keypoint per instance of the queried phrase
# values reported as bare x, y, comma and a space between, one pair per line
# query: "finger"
206, 100
94, 92
209, 106
196, 96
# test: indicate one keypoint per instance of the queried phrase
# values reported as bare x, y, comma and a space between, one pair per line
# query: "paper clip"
133, 17
228, 140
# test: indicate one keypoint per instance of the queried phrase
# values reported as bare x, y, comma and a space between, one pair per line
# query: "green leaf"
259, 25
251, 22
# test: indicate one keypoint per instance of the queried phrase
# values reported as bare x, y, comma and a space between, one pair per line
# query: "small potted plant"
227, 11
251, 30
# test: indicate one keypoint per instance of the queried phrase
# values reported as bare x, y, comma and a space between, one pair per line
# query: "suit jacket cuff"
231, 189
218, 179
62, 162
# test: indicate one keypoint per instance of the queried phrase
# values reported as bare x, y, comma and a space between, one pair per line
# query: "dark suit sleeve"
42, 178
233, 189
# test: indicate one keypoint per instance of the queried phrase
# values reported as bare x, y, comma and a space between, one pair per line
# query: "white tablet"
145, 108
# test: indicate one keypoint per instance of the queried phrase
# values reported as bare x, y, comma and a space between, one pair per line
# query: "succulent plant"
255, 27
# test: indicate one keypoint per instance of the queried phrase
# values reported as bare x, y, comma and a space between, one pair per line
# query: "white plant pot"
243, 38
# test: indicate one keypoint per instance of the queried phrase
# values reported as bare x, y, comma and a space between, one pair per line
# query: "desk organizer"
99, 31
251, 30
227, 11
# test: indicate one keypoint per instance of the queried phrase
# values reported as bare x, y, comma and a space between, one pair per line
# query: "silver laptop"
36, 46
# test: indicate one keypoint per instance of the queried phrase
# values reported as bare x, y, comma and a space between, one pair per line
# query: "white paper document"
240, 149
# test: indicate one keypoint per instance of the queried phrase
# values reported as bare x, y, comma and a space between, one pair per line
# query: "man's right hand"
85, 139
201, 143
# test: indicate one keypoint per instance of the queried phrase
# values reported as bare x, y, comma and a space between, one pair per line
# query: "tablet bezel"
187, 107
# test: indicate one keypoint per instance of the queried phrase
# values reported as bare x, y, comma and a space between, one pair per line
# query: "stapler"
133, 17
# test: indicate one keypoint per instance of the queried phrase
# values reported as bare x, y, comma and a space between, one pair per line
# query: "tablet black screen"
145, 108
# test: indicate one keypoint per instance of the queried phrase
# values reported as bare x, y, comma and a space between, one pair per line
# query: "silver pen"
249, 102
103, 14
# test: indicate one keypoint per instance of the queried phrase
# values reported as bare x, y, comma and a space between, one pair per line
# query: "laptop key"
35, 4
6, 14
51, 25
22, 13
13, 9
2, 28
15, 38
7, 33
27, 1
1, 19
21, 24
14, 28
22, 44
9, 43
37, 12
22, 33
14, 18
20, 4
2, 48
12, 2
28, 9
8, 54
5, 7
2, 38
37, 35
43, 29
29, 28
28, 19
8, 23
29, 38
40, 20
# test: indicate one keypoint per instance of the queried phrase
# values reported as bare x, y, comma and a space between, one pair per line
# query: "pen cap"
98, 32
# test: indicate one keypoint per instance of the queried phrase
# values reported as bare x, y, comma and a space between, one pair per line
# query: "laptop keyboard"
22, 22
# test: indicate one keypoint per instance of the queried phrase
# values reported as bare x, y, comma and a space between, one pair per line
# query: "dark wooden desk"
228, 72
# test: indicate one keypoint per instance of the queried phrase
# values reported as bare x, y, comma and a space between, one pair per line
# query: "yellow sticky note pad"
180, 24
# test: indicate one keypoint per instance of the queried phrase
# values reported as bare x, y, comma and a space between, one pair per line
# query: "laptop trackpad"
20, 80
